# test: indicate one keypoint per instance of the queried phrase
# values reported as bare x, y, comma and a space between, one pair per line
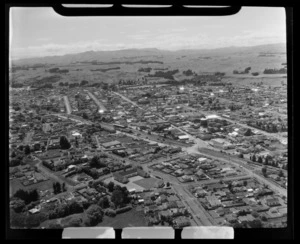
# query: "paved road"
97, 102
79, 120
68, 106
198, 213
52, 176
128, 100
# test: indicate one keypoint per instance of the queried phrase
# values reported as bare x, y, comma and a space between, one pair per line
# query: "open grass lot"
146, 183
128, 219
15, 185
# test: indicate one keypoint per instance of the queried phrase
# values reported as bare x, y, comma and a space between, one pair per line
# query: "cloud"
44, 39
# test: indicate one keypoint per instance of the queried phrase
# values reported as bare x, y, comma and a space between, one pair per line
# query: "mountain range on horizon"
150, 52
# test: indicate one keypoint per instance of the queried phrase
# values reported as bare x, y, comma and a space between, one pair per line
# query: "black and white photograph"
139, 121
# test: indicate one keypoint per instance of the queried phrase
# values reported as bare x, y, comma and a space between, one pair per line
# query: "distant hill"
150, 54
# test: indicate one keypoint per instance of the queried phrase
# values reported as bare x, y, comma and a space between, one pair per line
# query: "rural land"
148, 137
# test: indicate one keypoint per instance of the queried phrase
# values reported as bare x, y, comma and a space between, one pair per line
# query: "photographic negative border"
175, 10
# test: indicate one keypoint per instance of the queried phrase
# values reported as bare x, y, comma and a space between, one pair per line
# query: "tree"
27, 197
17, 219
64, 143
18, 205
238, 225
85, 116
83, 82
104, 202
241, 155
264, 171
56, 188
255, 214
264, 218
35, 220
245, 183
255, 224
117, 197
94, 215
94, 162
27, 150
63, 187
280, 173
75, 207
266, 160
14, 162
110, 186
33, 195
254, 158
73, 221
110, 212
248, 132
13, 154
260, 160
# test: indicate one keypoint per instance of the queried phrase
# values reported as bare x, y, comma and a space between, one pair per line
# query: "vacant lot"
128, 219
146, 183
15, 185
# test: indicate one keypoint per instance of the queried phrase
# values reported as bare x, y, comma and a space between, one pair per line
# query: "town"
148, 152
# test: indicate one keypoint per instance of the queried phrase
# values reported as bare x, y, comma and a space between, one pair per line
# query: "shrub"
72, 221
110, 212
94, 215
35, 220
18, 205
123, 210
17, 219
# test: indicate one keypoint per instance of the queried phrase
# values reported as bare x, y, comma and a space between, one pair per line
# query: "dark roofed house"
122, 176
246, 219
165, 213
182, 221
230, 218
271, 202
111, 144
213, 201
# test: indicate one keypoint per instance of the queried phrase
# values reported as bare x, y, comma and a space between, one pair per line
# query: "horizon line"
125, 49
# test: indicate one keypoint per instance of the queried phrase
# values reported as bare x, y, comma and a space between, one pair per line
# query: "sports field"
147, 183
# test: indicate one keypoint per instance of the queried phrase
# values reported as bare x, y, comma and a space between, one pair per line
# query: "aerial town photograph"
148, 121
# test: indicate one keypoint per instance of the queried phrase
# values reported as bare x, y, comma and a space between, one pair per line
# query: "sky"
37, 32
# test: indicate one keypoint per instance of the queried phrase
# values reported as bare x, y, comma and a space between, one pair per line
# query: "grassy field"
146, 183
128, 219
15, 185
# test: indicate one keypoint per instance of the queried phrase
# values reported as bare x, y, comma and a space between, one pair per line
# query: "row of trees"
268, 160
27, 196
58, 188
66, 209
